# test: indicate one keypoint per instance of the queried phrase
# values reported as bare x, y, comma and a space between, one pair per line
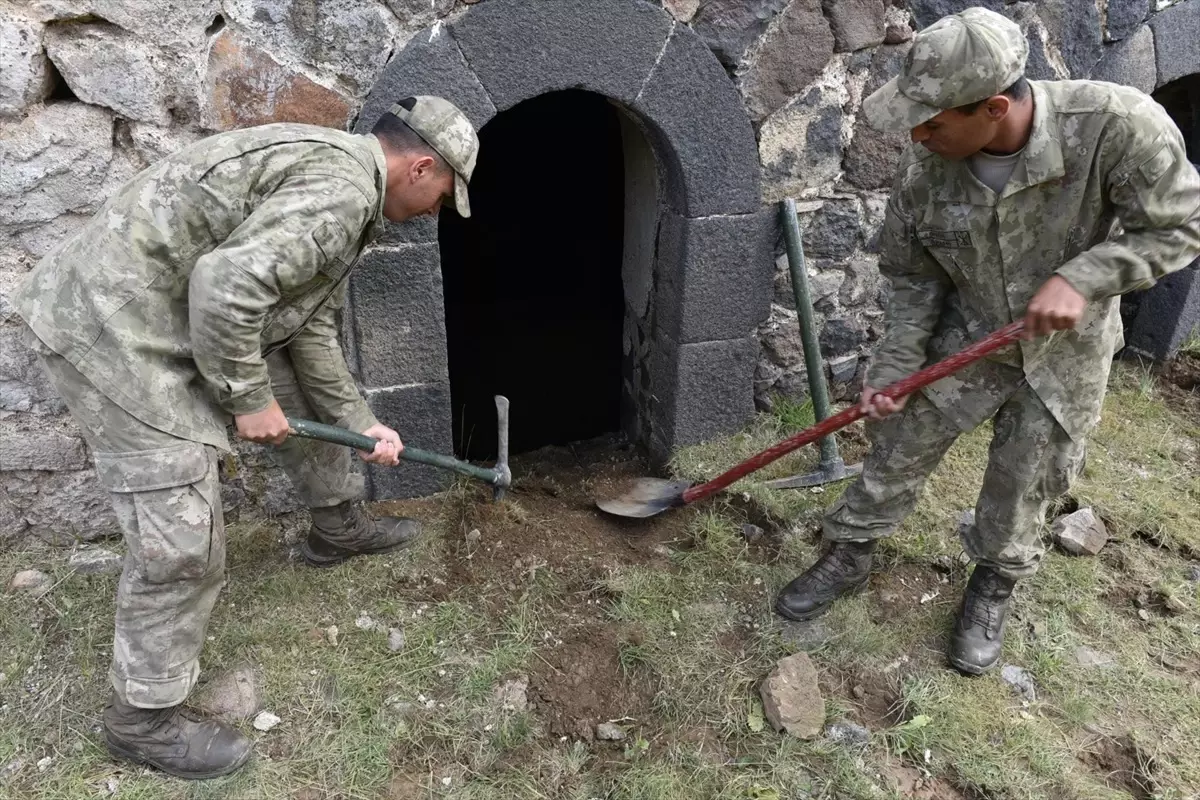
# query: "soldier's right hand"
268, 426
877, 406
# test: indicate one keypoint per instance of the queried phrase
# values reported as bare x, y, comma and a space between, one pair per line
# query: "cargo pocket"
168, 504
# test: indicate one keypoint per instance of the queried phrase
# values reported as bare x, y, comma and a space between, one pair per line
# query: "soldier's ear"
998, 106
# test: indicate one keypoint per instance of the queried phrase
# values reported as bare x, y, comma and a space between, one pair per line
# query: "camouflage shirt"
241, 244
964, 260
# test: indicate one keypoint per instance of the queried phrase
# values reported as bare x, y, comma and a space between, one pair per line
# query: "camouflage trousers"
166, 494
1031, 462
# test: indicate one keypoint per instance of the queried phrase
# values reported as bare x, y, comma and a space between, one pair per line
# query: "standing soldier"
1003, 208
208, 288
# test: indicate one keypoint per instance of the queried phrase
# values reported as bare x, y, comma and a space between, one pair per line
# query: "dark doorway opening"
1181, 99
532, 281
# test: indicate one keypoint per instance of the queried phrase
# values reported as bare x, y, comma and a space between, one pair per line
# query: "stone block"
708, 392
431, 63
833, 231
843, 335
42, 449
1075, 28
682, 10
794, 51
873, 155
792, 700
107, 66
730, 27
856, 23
801, 144
25, 74
1081, 533
421, 415
927, 12
1167, 313
245, 86
44, 174
175, 24
1130, 62
61, 508
703, 263
1124, 17
399, 316
1176, 32
346, 40
524, 48
697, 116
96, 561
24, 386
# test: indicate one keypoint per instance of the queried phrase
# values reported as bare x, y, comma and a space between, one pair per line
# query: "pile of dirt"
1180, 384
1122, 765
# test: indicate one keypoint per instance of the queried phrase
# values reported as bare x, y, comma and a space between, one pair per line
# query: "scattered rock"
806, 636
107, 66
1089, 658
858, 691
1143, 615
265, 721
1020, 680
96, 561
792, 53
331, 635
1081, 533
752, 533
965, 520
246, 86
1194, 573
848, 733
473, 537
944, 563
231, 695
682, 10
12, 768
856, 23
1175, 604
792, 699
608, 732
844, 368
364, 622
44, 763
512, 695
32, 581
27, 76
395, 640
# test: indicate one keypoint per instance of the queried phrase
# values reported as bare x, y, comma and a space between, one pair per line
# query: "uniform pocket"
168, 504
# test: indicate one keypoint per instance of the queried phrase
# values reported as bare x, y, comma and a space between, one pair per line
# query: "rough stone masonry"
91, 91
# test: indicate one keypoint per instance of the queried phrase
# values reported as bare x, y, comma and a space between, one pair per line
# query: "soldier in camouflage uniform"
206, 289
1003, 207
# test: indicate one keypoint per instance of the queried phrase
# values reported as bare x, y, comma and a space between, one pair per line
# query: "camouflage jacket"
241, 244
964, 261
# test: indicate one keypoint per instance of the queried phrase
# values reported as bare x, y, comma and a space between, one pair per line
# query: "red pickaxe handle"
905, 386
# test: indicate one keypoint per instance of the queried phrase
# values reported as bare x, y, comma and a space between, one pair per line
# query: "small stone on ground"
848, 733
806, 636
1087, 657
1020, 680
1194, 573
792, 700
511, 695
1081, 533
33, 581
395, 640
608, 732
265, 721
231, 695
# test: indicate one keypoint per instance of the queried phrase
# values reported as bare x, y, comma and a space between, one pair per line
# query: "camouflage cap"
448, 131
962, 58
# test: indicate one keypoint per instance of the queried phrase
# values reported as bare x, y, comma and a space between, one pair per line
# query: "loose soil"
1180, 384
1121, 765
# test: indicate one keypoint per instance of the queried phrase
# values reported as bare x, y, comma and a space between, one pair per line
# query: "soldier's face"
954, 135
422, 188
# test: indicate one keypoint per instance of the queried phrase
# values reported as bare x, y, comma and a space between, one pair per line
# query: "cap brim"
888, 110
461, 202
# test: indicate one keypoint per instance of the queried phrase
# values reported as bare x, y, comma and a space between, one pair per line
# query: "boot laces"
986, 601
833, 566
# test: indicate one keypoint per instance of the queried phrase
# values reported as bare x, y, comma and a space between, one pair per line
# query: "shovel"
646, 497
500, 477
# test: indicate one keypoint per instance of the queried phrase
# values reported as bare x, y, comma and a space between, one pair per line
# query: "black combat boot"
844, 569
979, 630
176, 740
344, 531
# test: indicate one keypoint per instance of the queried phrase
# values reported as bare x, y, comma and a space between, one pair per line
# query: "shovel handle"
901, 388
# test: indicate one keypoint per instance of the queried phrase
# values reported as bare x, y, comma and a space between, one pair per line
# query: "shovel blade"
645, 497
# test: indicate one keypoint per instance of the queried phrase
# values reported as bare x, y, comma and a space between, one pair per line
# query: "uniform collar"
1041, 161
380, 176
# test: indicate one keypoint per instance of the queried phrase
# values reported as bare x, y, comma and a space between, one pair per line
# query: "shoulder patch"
941, 237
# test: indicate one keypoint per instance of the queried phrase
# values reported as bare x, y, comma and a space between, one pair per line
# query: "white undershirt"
993, 171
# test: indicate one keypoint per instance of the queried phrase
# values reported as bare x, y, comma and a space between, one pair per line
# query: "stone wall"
91, 91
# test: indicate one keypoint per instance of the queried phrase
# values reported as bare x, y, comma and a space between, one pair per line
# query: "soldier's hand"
387, 451
1057, 306
877, 406
268, 426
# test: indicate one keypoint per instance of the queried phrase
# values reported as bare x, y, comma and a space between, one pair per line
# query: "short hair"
398, 136
1018, 91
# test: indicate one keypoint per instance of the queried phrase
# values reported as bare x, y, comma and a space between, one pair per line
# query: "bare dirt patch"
1180, 383
912, 783
904, 588
579, 684
1122, 765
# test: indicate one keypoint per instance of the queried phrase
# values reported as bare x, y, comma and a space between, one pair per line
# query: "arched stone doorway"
695, 257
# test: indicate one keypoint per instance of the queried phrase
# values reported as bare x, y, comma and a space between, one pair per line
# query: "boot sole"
137, 758
820, 611
314, 560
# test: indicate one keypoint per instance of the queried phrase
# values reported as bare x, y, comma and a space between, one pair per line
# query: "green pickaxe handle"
500, 477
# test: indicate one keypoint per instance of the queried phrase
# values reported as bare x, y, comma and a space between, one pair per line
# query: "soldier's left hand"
1057, 306
387, 451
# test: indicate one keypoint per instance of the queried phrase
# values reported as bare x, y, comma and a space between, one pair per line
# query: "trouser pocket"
167, 502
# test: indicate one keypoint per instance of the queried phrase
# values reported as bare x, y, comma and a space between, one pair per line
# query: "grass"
695, 630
